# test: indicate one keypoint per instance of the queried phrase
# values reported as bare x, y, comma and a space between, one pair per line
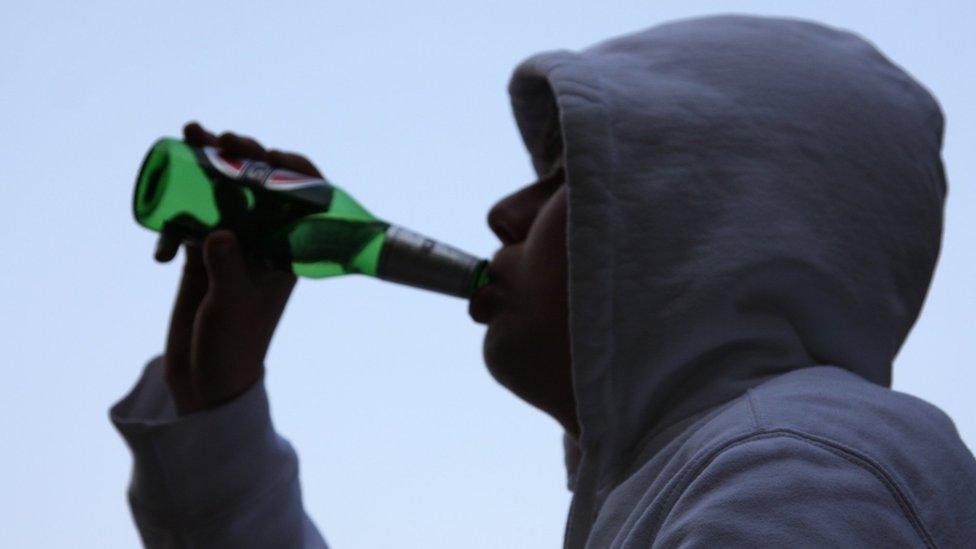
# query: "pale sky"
404, 439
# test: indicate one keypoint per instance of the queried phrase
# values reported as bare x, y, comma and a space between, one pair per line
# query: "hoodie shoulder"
909, 445
816, 454
778, 490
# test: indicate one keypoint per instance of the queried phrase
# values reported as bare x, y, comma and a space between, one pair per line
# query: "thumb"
224, 262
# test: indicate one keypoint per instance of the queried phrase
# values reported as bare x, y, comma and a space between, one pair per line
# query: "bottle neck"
416, 260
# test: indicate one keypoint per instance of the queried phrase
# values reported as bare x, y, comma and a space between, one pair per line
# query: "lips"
480, 305
485, 300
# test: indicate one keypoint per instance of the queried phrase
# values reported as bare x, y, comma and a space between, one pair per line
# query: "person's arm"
787, 491
209, 469
220, 477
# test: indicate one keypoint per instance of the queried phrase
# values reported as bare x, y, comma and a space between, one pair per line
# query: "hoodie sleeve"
787, 491
216, 478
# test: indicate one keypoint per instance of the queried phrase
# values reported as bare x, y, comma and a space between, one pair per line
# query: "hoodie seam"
608, 185
696, 468
611, 179
610, 172
701, 420
754, 410
599, 97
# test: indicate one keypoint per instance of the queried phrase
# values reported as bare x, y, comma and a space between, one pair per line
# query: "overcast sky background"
404, 438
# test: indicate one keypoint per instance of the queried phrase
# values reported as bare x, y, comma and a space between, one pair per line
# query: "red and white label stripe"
278, 179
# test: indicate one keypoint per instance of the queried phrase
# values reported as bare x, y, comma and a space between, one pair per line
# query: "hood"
747, 196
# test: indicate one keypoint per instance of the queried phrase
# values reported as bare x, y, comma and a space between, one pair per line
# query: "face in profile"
525, 306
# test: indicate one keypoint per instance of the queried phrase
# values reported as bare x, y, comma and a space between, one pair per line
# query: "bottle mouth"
480, 277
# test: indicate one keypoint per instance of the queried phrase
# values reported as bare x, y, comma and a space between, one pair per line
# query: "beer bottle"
291, 221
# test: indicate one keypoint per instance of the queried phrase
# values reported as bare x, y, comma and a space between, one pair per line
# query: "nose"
512, 216
502, 221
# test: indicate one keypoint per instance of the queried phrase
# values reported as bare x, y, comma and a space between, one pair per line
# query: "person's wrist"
180, 388
215, 392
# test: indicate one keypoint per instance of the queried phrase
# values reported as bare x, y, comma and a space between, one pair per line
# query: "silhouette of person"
733, 231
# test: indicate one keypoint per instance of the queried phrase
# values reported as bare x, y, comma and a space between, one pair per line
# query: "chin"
501, 351
517, 358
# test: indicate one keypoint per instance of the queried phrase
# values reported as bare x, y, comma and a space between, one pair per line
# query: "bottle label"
416, 260
262, 174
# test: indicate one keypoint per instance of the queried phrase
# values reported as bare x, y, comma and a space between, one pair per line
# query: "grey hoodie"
755, 211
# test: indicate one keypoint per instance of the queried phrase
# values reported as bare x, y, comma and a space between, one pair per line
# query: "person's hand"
228, 305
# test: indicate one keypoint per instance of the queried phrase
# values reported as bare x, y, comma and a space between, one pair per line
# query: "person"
734, 229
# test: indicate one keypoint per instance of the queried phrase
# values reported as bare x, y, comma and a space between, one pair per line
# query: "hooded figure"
754, 214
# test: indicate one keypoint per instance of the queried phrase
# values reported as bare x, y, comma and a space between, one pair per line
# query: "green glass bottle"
290, 221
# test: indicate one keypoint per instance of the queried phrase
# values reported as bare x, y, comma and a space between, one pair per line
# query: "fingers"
232, 143
239, 145
293, 162
275, 286
227, 271
226, 268
166, 247
193, 288
194, 134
